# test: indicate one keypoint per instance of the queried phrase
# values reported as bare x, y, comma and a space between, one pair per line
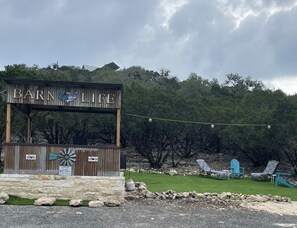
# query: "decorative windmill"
66, 157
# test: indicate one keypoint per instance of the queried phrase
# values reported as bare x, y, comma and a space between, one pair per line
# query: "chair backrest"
271, 167
203, 165
235, 166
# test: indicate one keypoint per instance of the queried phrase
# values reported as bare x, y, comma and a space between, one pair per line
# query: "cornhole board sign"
31, 157
92, 159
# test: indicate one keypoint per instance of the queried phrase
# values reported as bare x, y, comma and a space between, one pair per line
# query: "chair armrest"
241, 169
283, 174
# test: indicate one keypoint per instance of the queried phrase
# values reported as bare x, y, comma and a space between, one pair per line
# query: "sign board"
65, 170
92, 159
30, 156
88, 95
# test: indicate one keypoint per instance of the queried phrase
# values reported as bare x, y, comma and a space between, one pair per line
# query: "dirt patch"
273, 207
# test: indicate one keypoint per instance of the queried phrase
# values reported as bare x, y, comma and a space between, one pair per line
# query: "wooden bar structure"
36, 95
36, 159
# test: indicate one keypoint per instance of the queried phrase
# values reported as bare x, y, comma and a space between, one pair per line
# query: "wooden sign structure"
37, 95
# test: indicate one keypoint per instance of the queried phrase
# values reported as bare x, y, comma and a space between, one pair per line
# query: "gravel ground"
142, 213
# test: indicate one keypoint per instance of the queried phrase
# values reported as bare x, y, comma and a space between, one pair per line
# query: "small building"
89, 67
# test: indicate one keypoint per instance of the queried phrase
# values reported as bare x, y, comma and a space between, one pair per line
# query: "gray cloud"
211, 38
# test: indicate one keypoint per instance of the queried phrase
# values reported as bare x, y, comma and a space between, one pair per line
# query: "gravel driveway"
141, 213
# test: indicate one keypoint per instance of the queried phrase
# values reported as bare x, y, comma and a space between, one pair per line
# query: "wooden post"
29, 126
118, 140
8, 114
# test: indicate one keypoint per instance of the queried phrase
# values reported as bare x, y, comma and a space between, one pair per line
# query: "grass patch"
163, 182
15, 200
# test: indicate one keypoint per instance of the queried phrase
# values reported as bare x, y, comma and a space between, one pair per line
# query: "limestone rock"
149, 194
142, 188
45, 201
3, 197
225, 195
185, 194
96, 203
172, 172
112, 203
75, 202
138, 184
130, 185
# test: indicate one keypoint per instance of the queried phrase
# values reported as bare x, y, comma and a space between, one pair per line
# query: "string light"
212, 125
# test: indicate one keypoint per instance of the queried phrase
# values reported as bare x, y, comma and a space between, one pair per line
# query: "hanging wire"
212, 124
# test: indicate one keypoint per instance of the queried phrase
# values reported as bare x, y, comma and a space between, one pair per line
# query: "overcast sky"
212, 38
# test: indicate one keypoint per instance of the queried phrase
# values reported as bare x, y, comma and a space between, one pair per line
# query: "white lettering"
50, 95
17, 93
29, 93
83, 98
39, 94
110, 98
101, 98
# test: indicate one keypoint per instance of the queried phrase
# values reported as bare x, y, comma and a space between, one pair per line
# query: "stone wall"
64, 187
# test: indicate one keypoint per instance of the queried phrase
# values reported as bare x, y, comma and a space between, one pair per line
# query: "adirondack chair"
236, 170
268, 171
205, 169
281, 178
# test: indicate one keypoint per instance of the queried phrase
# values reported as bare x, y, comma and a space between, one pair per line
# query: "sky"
212, 38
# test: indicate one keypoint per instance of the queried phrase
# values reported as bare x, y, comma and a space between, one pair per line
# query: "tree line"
240, 116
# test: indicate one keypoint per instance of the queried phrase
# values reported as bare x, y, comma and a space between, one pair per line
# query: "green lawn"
162, 182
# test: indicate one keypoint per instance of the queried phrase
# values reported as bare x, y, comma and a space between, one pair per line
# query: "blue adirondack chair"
236, 170
281, 179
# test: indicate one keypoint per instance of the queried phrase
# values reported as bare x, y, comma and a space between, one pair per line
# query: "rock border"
223, 198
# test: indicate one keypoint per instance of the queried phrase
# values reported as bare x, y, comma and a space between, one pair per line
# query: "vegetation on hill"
240, 110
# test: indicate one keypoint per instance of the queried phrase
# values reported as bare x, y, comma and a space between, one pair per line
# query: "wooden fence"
43, 159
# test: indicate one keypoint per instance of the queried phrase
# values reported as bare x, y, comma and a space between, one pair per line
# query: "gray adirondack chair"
205, 169
268, 171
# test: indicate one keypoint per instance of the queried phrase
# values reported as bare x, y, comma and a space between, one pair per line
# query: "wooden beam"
8, 115
29, 127
118, 140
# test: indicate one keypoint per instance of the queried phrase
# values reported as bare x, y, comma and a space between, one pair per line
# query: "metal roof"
12, 80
